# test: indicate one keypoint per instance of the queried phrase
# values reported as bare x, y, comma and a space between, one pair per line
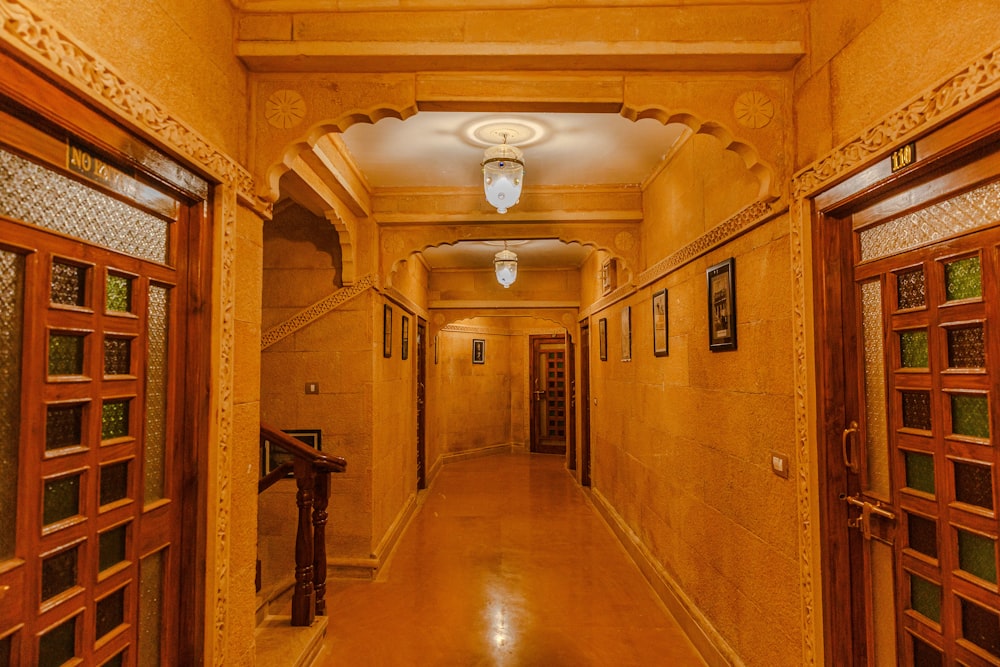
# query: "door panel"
549, 402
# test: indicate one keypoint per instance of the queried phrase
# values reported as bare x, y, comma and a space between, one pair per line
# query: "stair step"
279, 644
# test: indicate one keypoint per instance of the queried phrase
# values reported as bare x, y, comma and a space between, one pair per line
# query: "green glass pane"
917, 409
59, 573
920, 472
58, 645
963, 279
913, 349
911, 290
119, 294
65, 354
966, 347
112, 547
925, 598
117, 356
114, 419
11, 317
69, 284
973, 484
110, 612
970, 415
981, 627
922, 534
114, 482
62, 499
63, 426
977, 555
150, 607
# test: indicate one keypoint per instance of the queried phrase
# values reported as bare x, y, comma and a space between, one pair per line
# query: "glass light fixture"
503, 172
505, 265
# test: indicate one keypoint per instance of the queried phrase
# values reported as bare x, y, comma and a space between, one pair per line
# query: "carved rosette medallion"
624, 241
392, 243
285, 109
753, 109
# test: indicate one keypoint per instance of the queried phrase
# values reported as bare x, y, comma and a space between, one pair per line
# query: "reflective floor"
505, 563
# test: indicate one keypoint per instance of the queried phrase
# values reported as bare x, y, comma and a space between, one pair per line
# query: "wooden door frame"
583, 393
535, 422
30, 96
943, 150
421, 397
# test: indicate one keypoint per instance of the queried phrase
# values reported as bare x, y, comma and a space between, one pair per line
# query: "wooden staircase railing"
312, 470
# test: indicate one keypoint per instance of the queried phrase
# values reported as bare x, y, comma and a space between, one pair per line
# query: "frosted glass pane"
79, 211
112, 547
917, 409
69, 284
925, 598
966, 347
977, 555
117, 356
875, 409
883, 602
63, 426
114, 482
973, 484
970, 415
118, 297
11, 316
59, 573
970, 210
911, 289
150, 608
110, 612
58, 645
963, 279
925, 655
156, 392
922, 535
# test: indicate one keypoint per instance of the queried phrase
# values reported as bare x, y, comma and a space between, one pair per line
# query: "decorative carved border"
312, 313
536, 331
61, 54
970, 85
226, 210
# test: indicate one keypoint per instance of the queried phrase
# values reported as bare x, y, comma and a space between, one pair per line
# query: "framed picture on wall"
609, 276
660, 323
272, 456
627, 333
721, 280
404, 338
386, 331
602, 332
478, 351
437, 337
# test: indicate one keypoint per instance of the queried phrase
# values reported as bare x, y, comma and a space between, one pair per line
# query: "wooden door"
584, 395
421, 408
97, 438
911, 380
548, 394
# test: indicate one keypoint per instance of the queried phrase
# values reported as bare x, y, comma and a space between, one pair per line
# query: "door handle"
864, 522
847, 448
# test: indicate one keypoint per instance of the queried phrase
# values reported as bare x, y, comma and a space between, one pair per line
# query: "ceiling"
444, 149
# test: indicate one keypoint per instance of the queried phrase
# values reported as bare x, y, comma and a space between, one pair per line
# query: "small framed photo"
386, 331
609, 276
404, 339
721, 280
602, 332
437, 346
660, 323
478, 351
272, 456
627, 333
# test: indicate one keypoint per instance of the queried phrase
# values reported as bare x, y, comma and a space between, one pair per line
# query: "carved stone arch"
400, 245
765, 173
561, 318
290, 155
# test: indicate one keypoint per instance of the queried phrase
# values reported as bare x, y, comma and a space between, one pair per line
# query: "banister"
311, 469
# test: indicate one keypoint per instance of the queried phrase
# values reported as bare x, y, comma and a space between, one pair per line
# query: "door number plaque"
904, 156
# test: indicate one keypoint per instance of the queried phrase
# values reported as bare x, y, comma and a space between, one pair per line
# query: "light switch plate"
312, 387
779, 464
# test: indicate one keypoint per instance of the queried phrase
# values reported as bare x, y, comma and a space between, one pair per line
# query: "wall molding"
310, 314
953, 95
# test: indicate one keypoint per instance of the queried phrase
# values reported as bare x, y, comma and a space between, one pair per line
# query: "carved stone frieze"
974, 83
58, 52
317, 310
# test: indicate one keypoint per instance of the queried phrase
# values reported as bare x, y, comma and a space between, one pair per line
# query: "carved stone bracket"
317, 310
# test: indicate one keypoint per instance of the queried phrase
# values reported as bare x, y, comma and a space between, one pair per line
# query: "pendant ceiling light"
505, 265
503, 172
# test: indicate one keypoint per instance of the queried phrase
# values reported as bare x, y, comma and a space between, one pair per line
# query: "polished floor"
505, 563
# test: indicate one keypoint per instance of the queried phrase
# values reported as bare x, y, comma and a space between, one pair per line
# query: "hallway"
505, 563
